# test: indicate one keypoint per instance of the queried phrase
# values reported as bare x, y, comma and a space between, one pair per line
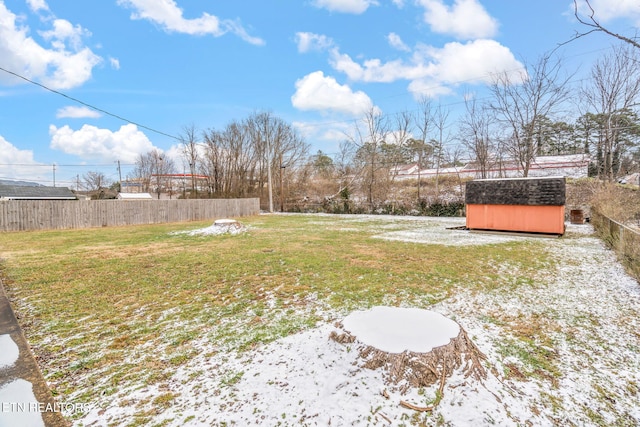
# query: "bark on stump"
407, 369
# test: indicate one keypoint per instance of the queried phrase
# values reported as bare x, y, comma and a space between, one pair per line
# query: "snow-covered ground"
223, 226
590, 308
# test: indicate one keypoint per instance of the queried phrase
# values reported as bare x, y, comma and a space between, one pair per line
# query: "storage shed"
530, 205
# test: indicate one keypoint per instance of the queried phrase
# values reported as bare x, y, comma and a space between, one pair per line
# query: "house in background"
134, 196
570, 166
40, 192
402, 170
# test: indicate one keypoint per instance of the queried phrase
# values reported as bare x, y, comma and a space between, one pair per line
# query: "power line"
90, 106
80, 165
310, 125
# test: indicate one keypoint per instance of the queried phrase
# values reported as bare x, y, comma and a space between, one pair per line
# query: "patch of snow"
440, 231
19, 405
395, 329
219, 227
10, 351
225, 221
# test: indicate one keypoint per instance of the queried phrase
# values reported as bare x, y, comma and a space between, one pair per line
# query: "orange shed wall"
530, 219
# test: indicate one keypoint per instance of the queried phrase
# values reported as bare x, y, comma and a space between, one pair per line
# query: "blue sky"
317, 64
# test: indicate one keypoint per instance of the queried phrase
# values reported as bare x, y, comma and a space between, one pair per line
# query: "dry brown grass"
619, 202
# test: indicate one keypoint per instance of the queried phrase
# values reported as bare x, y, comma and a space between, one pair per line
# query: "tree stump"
227, 224
415, 347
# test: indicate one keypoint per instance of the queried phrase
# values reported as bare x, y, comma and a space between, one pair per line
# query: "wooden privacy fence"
624, 240
22, 215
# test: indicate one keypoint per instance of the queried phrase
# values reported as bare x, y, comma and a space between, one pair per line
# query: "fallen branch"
385, 417
408, 405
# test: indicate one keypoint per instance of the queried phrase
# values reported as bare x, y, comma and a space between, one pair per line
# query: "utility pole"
193, 179
269, 183
281, 185
120, 175
54, 174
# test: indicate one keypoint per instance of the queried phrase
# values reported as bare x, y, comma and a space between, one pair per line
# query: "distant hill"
20, 183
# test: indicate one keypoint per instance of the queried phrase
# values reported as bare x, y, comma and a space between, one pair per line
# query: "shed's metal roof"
20, 192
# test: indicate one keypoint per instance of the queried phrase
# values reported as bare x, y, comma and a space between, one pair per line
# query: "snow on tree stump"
416, 348
228, 225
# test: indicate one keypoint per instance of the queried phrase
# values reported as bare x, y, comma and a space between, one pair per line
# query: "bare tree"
441, 118
475, 135
95, 181
152, 169
278, 146
368, 136
614, 90
424, 123
190, 152
246, 154
345, 166
241, 159
589, 20
453, 156
519, 102
142, 172
398, 152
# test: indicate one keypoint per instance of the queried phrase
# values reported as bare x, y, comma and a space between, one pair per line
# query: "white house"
570, 166
135, 196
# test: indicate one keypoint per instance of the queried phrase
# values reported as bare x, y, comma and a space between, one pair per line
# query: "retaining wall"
624, 240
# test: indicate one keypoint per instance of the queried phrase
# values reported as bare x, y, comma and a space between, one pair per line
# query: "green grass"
93, 302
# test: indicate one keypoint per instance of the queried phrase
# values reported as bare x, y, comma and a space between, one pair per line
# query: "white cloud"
90, 142
37, 5
77, 113
66, 64
115, 63
326, 137
430, 88
15, 163
64, 33
434, 71
169, 16
310, 41
474, 62
607, 10
374, 70
466, 19
10, 154
176, 154
316, 91
396, 42
345, 6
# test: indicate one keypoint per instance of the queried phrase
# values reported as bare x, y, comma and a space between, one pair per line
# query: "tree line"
530, 113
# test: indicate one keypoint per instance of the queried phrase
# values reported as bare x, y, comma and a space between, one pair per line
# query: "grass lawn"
105, 308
